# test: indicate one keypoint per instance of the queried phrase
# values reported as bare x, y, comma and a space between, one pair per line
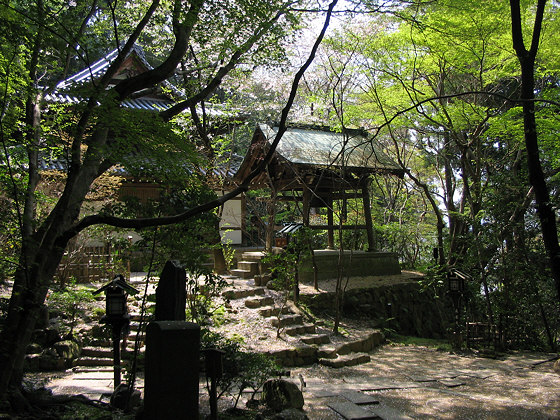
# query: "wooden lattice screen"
481, 334
88, 264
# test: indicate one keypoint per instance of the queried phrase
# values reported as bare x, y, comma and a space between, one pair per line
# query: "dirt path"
423, 383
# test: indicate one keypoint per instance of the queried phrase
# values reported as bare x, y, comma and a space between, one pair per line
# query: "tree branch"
221, 73
537, 28
168, 67
242, 187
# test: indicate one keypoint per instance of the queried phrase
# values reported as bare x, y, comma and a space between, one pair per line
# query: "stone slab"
379, 385
421, 378
451, 383
480, 374
351, 411
388, 413
359, 398
323, 393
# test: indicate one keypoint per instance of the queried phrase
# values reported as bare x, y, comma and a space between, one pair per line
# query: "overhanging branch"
242, 187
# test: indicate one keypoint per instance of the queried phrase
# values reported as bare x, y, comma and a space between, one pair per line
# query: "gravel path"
423, 383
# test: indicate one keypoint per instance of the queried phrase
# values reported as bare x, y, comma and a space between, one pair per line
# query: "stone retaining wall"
401, 307
355, 263
308, 355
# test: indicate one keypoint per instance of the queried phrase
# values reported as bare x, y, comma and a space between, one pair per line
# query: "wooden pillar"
306, 205
271, 209
367, 214
330, 222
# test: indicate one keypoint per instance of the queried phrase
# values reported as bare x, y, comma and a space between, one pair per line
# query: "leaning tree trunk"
43, 250
30, 288
41, 253
537, 179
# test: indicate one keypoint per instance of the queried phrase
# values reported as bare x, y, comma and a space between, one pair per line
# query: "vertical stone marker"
172, 370
172, 352
171, 293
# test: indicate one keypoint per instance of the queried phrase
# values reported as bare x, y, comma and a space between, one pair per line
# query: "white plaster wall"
232, 217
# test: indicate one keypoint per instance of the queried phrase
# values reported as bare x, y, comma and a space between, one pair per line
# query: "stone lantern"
116, 315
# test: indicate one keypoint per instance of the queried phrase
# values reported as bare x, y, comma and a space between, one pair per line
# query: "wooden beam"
330, 230
306, 205
344, 227
367, 214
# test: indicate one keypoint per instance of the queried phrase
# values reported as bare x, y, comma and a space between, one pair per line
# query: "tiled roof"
66, 90
148, 104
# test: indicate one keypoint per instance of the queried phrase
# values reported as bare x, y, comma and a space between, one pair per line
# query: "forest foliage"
436, 84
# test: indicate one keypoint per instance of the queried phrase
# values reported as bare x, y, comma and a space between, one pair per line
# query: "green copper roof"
325, 148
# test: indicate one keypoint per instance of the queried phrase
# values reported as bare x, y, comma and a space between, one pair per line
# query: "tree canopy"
462, 94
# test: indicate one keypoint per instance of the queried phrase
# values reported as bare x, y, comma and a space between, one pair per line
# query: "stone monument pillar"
171, 293
172, 370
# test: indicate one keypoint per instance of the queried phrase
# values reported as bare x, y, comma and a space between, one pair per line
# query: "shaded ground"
424, 383
412, 381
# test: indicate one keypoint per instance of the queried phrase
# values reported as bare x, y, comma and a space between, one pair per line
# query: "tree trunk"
537, 179
40, 256
271, 210
29, 293
43, 250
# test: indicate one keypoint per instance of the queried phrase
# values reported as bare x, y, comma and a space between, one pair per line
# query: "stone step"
243, 293
208, 265
363, 344
251, 266
359, 398
244, 274
132, 337
269, 311
99, 352
136, 318
258, 302
134, 326
98, 343
286, 320
252, 255
84, 369
315, 339
350, 411
107, 351
327, 352
352, 359
300, 329
93, 361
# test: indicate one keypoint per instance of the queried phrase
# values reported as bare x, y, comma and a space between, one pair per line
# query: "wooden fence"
92, 264
481, 334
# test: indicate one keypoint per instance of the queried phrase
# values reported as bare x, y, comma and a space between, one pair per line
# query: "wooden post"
116, 354
330, 223
306, 205
271, 209
367, 214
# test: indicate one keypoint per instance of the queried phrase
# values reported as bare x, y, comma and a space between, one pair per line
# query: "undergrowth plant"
202, 289
72, 302
241, 370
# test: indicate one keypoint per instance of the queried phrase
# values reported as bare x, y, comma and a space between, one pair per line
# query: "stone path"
403, 383
96, 383
303, 342
393, 382
419, 383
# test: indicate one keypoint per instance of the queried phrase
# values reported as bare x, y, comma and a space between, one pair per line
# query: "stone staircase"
311, 346
246, 269
250, 265
100, 352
